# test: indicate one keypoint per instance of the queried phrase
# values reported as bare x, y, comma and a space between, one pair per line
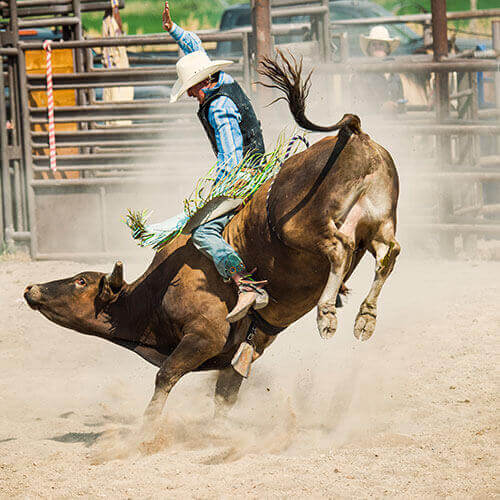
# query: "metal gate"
110, 156
146, 153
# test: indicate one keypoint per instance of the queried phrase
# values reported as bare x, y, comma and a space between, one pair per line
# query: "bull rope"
288, 153
47, 46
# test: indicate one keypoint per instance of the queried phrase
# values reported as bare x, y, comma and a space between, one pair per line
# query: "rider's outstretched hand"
167, 20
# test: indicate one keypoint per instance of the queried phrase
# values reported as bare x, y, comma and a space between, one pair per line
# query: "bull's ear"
115, 279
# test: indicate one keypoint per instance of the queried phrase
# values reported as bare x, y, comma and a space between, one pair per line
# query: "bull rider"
230, 122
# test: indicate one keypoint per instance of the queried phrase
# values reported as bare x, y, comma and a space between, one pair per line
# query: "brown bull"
306, 233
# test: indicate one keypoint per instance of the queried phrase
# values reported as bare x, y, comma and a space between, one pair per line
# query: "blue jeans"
208, 239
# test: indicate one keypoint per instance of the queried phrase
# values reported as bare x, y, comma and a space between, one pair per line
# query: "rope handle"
292, 141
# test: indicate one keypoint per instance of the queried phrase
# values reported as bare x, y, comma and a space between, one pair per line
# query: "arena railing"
417, 18
44, 8
106, 155
110, 156
467, 122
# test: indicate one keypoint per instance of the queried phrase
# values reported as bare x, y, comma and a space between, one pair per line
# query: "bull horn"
115, 279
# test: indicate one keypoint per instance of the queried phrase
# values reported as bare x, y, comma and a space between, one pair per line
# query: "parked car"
239, 16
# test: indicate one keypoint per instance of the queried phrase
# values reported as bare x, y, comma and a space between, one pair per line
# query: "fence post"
20, 209
325, 32
476, 188
27, 150
440, 47
7, 216
6, 221
246, 63
495, 30
13, 22
261, 27
77, 10
4, 165
261, 30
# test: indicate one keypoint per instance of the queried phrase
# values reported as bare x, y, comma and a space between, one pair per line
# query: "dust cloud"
411, 412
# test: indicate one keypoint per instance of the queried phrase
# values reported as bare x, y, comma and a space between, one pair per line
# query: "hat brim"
365, 41
180, 87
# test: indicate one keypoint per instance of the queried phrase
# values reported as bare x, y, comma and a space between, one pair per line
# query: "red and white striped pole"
50, 104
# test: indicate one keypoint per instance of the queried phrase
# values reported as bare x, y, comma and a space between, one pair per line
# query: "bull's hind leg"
385, 249
339, 251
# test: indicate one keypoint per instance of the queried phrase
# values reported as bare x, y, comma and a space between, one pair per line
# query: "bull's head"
82, 302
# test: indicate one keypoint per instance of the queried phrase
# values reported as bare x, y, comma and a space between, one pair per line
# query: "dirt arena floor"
411, 413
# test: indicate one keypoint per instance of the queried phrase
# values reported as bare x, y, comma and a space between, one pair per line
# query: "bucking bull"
305, 231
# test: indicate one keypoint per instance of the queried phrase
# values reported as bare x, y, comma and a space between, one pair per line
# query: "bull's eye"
81, 282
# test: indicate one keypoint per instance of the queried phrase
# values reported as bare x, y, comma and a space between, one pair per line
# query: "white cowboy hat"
193, 68
380, 34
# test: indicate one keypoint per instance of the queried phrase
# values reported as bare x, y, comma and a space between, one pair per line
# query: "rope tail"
286, 76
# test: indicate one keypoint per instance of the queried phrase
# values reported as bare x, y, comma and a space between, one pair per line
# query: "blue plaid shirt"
223, 115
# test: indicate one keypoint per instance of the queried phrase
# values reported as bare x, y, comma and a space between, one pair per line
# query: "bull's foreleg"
193, 350
226, 390
385, 249
339, 251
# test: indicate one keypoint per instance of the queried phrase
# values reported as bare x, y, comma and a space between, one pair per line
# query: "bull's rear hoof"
364, 326
327, 321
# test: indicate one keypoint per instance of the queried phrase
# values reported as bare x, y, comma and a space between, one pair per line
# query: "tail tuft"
286, 76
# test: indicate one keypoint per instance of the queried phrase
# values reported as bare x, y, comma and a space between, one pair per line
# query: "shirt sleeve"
186, 40
224, 117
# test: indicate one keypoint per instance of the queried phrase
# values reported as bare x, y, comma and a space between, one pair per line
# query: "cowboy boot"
250, 294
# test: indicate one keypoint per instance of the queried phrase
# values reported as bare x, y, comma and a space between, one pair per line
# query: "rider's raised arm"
187, 41
225, 118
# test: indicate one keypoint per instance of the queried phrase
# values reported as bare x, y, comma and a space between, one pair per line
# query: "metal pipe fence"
120, 145
417, 18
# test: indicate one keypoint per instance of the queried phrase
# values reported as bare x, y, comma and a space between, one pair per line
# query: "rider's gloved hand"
167, 20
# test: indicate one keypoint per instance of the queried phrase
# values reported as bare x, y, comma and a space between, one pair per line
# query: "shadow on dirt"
89, 438
7, 440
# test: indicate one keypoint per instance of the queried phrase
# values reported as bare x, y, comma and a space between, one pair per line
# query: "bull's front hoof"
149, 438
327, 321
364, 326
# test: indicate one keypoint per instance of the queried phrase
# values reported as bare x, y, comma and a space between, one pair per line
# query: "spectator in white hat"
378, 43
377, 92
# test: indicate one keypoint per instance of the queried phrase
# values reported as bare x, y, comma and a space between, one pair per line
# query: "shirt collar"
207, 91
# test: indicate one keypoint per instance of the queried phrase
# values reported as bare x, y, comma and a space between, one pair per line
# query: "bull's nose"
27, 291
32, 294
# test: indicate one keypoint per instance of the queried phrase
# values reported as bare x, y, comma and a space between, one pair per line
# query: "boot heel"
262, 300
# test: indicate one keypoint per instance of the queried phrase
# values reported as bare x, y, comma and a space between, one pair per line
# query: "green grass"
144, 16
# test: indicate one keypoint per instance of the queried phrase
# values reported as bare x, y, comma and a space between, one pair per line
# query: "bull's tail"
286, 76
